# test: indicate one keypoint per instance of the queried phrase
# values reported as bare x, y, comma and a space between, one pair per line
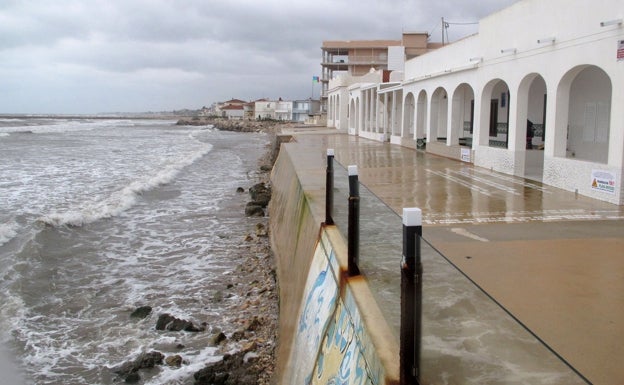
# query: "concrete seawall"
330, 325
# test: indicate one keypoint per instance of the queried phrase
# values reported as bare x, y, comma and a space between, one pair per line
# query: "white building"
305, 110
535, 93
283, 110
264, 109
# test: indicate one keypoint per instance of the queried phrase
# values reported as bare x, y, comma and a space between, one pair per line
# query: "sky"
98, 56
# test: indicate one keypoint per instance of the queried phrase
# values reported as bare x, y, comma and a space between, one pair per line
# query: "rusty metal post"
353, 231
329, 188
411, 298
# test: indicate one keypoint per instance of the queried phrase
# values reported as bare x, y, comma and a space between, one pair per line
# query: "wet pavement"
553, 259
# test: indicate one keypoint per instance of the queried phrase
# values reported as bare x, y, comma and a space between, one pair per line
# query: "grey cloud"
215, 49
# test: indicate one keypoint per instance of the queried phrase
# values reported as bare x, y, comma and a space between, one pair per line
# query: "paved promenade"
554, 259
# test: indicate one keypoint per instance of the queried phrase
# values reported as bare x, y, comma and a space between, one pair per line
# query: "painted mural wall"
331, 330
331, 345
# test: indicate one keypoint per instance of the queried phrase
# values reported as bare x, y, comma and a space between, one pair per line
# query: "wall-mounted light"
477, 59
545, 40
611, 22
508, 50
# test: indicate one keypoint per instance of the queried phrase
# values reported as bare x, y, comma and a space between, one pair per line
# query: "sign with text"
620, 50
602, 180
465, 155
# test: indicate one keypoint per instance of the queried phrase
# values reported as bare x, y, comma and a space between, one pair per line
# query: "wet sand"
554, 259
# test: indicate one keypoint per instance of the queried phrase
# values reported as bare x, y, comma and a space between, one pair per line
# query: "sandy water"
98, 217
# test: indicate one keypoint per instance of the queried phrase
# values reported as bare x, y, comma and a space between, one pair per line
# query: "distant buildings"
303, 111
537, 93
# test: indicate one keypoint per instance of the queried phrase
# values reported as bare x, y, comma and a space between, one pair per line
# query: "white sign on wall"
465, 155
602, 180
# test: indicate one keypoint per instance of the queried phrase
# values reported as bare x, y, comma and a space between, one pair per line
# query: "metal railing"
456, 332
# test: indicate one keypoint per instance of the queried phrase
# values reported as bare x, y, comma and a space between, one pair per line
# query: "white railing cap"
412, 216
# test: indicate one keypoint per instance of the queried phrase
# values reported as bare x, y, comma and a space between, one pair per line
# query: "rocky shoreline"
271, 126
248, 354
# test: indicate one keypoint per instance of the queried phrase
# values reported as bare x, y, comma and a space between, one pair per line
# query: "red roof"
232, 107
235, 101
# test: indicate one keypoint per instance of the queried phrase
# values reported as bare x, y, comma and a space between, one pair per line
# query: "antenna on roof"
445, 26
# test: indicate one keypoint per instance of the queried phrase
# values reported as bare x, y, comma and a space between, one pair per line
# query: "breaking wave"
7, 232
121, 200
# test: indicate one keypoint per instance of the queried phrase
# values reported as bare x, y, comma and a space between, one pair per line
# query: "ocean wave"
45, 126
121, 200
7, 232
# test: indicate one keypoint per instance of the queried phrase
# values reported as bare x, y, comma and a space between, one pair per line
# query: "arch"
584, 121
438, 118
337, 110
530, 125
409, 116
396, 113
462, 115
494, 114
358, 119
351, 118
421, 119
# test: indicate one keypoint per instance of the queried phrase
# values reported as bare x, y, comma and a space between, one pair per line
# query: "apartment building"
358, 57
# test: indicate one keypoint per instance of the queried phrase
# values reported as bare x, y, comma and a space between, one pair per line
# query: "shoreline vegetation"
248, 354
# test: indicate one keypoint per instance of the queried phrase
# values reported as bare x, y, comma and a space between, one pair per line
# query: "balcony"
357, 60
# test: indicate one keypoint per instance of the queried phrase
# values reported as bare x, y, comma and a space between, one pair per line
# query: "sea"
101, 216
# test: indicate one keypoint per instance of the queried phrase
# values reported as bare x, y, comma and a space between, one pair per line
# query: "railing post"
353, 242
411, 297
329, 188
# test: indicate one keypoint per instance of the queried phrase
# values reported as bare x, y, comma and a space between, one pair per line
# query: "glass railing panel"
467, 337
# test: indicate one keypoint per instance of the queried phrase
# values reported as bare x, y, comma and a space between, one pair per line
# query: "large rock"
141, 312
260, 194
231, 370
175, 360
171, 323
129, 370
254, 210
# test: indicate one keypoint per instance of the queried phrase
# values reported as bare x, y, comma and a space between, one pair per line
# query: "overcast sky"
90, 56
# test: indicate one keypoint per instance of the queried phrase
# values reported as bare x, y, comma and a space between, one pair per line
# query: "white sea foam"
123, 199
8, 231
79, 285
46, 126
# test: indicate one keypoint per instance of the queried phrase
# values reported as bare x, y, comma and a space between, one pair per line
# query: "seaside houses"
302, 111
536, 93
306, 111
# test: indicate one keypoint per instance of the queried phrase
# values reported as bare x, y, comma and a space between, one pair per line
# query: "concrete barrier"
330, 325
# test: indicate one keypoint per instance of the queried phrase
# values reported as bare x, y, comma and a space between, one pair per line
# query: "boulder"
128, 371
141, 312
175, 360
260, 194
217, 338
171, 323
232, 369
261, 230
254, 210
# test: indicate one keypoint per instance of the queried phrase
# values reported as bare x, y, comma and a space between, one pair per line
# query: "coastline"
249, 353
250, 290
